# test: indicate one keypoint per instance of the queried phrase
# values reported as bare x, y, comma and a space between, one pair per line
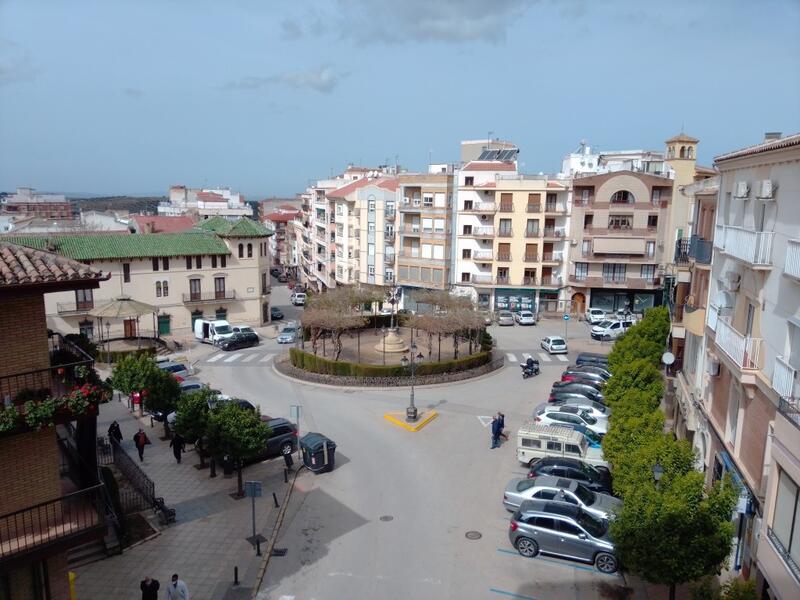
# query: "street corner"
398, 418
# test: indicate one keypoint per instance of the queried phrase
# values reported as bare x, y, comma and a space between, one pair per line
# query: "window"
531, 443
584, 197
505, 227
371, 270
371, 227
569, 528
465, 278
614, 273
165, 288
223, 260
86, 328
221, 314
656, 195
188, 263
158, 289
219, 288
126, 272
198, 262
165, 264
620, 221
581, 270
389, 208
427, 200
467, 204
249, 250
554, 446
586, 247
84, 299
194, 290
572, 449
264, 287
545, 523
652, 221
648, 272
155, 264
370, 249
650, 249
545, 495
469, 181
371, 206
622, 197
213, 262
786, 520
241, 250
467, 230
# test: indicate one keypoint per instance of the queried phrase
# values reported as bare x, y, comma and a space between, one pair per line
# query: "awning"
744, 504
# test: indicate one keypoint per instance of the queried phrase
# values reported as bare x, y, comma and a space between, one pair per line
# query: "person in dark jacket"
502, 418
140, 439
149, 588
177, 444
495, 432
114, 432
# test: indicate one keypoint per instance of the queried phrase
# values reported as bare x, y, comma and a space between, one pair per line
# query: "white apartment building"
205, 203
585, 161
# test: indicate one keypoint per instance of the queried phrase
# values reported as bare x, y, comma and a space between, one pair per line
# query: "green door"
164, 324
196, 314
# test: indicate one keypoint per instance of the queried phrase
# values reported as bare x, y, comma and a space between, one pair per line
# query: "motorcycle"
530, 368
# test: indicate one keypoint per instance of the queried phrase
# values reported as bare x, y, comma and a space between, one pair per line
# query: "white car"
596, 409
525, 317
595, 315
554, 344
610, 330
572, 415
386, 311
298, 299
560, 489
504, 317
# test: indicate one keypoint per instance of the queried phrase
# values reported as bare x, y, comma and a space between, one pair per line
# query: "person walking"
178, 445
149, 588
495, 432
114, 432
502, 418
177, 590
140, 439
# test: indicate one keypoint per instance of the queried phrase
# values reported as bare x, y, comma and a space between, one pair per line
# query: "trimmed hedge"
316, 364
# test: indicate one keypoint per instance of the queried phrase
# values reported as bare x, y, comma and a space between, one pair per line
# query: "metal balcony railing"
503, 256
791, 266
533, 233
505, 232
682, 251
700, 250
487, 231
554, 207
480, 207
56, 521
480, 278
531, 257
551, 256
74, 308
192, 297
533, 207
750, 246
743, 350
781, 550
482, 254
506, 207
784, 378
553, 232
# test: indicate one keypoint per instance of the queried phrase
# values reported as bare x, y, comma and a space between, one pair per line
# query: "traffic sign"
252, 489
566, 317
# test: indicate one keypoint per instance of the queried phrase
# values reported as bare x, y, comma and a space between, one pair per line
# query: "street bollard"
285, 476
258, 547
275, 499
235, 575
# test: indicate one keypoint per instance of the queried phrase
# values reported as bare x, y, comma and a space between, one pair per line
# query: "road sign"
252, 489
294, 412
566, 317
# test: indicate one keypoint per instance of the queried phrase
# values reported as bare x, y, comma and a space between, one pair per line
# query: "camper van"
535, 440
212, 332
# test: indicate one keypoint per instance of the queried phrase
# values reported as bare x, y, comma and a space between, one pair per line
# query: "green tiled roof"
243, 227
99, 247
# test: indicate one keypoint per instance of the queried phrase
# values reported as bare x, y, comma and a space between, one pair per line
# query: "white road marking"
266, 358
511, 357
562, 357
249, 358
215, 358
485, 421
232, 358
545, 357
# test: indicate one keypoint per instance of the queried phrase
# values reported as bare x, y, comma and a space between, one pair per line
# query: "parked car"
610, 330
282, 439
222, 399
505, 317
178, 371
589, 368
595, 315
556, 397
585, 403
536, 440
594, 439
554, 344
525, 317
282, 278
275, 271
562, 530
596, 385
487, 317
245, 329
578, 387
553, 415
288, 334
597, 479
275, 313
191, 385
298, 298
582, 376
239, 340
560, 489
592, 358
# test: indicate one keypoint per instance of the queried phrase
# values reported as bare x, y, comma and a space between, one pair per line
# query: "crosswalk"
542, 357
251, 359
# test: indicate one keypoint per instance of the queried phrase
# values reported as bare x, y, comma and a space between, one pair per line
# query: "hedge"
316, 364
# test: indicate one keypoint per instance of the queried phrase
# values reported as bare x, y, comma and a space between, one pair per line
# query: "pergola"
124, 307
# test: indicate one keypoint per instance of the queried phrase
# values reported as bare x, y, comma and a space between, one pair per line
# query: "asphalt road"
391, 520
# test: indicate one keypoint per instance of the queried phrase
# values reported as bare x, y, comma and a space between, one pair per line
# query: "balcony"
700, 250
620, 230
530, 280
482, 254
550, 280
790, 410
792, 265
531, 257
480, 207
533, 233
553, 232
743, 350
778, 546
533, 207
682, 251
507, 208
414, 254
479, 232
694, 319
503, 256
481, 279
551, 257
54, 525
74, 308
555, 208
747, 245
428, 208
198, 297
784, 378
503, 280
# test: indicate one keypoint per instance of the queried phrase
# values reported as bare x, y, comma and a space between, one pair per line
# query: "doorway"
578, 303
129, 328
164, 324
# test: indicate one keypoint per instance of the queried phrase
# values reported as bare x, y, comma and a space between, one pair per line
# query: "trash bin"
318, 452
227, 466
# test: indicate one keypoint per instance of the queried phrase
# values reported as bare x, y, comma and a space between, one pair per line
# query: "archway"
578, 303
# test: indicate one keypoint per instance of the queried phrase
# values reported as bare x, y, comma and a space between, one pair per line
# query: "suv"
298, 298
560, 489
592, 358
562, 530
283, 439
537, 440
597, 479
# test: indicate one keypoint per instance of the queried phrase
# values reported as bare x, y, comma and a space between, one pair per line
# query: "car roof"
548, 507
556, 338
556, 482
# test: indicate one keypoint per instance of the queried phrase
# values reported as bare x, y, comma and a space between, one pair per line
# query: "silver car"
505, 317
177, 370
562, 530
560, 489
288, 335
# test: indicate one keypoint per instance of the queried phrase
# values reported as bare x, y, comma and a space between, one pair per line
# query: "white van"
610, 330
537, 441
212, 332
298, 299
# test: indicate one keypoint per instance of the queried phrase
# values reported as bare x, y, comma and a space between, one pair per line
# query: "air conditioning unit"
765, 190
732, 280
712, 367
741, 190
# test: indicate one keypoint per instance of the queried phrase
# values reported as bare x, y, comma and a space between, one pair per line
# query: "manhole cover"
387, 518
474, 535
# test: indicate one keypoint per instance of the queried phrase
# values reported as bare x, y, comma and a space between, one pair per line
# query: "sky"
264, 96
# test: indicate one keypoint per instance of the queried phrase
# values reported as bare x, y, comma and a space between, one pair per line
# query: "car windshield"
588, 418
605, 324
289, 330
525, 484
505, 314
223, 329
246, 330
586, 496
589, 470
525, 314
594, 525
591, 436
557, 341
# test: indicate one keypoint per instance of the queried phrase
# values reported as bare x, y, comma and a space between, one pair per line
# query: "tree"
192, 418
629, 429
236, 433
161, 394
139, 373
639, 374
334, 312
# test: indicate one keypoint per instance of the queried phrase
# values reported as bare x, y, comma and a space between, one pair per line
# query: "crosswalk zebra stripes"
239, 358
542, 357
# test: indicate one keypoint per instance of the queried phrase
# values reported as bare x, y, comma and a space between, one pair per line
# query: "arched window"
622, 197
165, 288
690, 152
671, 152
158, 289
683, 152
241, 250
249, 250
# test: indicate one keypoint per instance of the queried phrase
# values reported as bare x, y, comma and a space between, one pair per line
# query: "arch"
683, 152
671, 152
249, 250
689, 152
241, 250
622, 197
578, 303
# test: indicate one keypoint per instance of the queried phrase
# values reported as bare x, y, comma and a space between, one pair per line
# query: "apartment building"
27, 202
51, 501
205, 203
278, 221
218, 270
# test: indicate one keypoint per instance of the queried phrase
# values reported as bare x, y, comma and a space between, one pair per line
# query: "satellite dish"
668, 358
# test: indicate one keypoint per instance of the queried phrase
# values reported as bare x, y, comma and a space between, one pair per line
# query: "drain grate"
473, 535
387, 518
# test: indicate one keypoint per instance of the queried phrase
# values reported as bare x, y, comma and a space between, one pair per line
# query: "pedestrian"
114, 432
178, 445
495, 432
140, 439
149, 587
177, 590
502, 418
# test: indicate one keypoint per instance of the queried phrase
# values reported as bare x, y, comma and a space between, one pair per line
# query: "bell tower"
681, 155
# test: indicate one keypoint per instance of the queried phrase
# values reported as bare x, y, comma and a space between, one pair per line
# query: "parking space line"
510, 594
249, 358
511, 357
562, 357
232, 358
545, 357
568, 565
266, 358
215, 358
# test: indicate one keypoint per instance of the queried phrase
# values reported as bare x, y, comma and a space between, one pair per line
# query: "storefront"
635, 300
514, 299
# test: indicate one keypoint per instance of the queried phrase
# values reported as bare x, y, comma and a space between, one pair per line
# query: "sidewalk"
208, 537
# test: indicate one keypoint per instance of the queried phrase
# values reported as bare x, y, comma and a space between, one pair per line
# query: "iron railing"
700, 250
682, 251
133, 473
209, 296
781, 550
790, 410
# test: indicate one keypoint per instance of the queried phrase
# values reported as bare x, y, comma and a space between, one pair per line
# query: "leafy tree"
634, 469
739, 589
139, 373
676, 533
237, 433
639, 374
629, 429
192, 418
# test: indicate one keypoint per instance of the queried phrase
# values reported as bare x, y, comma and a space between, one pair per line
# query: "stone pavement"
208, 538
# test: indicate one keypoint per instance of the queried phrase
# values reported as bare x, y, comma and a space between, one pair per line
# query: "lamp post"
383, 333
658, 473
108, 342
392, 298
411, 410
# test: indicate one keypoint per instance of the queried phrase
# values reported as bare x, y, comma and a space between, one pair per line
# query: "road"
391, 520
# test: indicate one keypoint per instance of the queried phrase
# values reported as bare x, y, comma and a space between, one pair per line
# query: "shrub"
639, 374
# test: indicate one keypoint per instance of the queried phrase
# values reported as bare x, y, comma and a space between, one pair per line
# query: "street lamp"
411, 411
392, 298
658, 472
383, 332
108, 342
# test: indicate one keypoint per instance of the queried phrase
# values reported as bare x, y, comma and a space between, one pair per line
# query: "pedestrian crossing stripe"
562, 357
545, 357
232, 358
266, 358
215, 358
511, 357
250, 357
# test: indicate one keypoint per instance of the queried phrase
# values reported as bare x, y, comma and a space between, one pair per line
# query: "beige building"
218, 270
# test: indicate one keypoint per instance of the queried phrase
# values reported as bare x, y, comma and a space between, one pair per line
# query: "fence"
133, 473
131, 500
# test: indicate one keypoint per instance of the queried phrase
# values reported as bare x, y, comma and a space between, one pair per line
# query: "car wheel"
527, 547
606, 563
286, 449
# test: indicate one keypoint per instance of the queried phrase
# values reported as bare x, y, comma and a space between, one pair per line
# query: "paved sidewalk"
208, 538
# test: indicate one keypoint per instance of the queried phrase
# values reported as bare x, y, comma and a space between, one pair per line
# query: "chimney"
771, 136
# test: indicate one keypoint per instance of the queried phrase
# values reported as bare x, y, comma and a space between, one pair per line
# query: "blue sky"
116, 96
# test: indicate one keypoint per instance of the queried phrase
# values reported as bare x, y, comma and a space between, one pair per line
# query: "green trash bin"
318, 452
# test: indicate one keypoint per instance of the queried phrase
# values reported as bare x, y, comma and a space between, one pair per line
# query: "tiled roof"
210, 197
388, 184
779, 144
682, 137
283, 217
476, 165
235, 229
21, 265
145, 245
346, 189
162, 224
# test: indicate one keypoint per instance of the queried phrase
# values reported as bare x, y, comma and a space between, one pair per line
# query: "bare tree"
333, 312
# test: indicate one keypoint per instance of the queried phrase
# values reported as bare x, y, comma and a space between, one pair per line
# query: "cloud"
15, 64
322, 79
133, 92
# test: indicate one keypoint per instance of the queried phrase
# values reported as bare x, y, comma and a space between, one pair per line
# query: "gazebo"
124, 307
